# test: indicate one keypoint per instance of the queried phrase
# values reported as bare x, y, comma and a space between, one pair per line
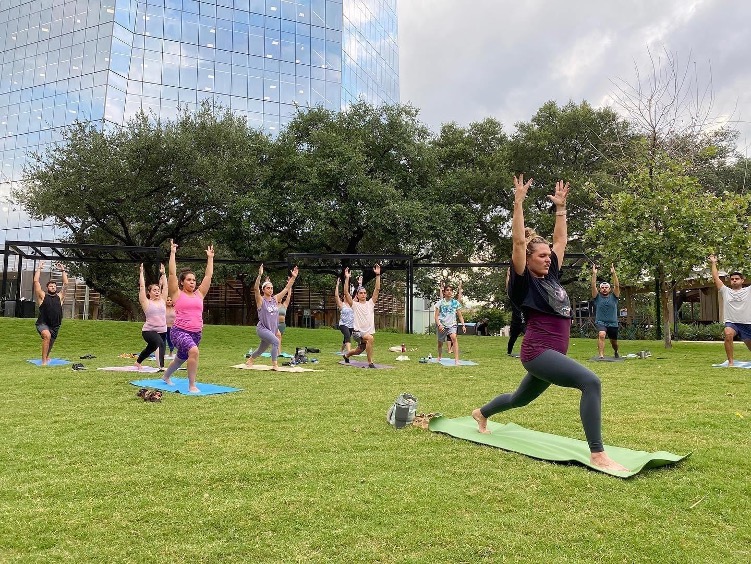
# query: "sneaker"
616, 355
78, 366
371, 365
346, 359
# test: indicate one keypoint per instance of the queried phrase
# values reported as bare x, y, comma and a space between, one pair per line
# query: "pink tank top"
156, 317
189, 312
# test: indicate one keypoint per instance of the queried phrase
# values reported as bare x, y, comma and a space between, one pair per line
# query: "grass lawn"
303, 467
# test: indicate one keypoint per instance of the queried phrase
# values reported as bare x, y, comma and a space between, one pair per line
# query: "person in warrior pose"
535, 287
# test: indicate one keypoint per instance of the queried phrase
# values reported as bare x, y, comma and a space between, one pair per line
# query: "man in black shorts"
50, 310
606, 311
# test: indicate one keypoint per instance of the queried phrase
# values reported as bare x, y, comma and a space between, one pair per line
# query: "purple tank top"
268, 315
544, 331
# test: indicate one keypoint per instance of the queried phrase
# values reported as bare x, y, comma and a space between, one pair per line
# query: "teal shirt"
606, 310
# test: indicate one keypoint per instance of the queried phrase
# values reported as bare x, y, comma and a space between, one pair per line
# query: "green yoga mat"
545, 446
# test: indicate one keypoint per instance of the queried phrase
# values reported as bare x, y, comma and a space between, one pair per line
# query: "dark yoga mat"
545, 446
359, 364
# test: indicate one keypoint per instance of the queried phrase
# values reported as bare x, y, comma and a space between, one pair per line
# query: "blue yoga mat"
281, 354
545, 446
52, 362
450, 362
736, 364
181, 387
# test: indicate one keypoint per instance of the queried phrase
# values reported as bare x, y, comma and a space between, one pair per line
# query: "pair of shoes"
371, 365
78, 366
89, 356
149, 395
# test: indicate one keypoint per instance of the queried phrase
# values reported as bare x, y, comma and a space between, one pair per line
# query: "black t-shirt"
545, 294
51, 311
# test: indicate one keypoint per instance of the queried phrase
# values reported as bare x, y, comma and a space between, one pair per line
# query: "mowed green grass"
303, 467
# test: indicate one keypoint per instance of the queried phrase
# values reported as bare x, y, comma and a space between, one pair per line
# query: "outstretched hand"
161, 269
141, 268
346, 272
377, 269
612, 268
521, 187
713, 259
594, 269
210, 251
295, 272
172, 246
561, 193
260, 270
60, 266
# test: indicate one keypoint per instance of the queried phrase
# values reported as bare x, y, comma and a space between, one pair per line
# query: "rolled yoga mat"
545, 446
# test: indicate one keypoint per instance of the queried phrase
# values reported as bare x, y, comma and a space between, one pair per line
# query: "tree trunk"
665, 303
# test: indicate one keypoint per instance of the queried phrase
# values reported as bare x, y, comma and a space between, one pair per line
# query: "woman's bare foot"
482, 421
602, 460
193, 390
250, 361
168, 381
274, 366
137, 366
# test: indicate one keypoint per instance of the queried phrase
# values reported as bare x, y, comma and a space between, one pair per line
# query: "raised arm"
338, 299
594, 280
715, 275
142, 299
206, 282
257, 287
172, 285
162, 283
519, 250
560, 231
347, 294
61, 293
287, 289
377, 270
616, 283
38, 292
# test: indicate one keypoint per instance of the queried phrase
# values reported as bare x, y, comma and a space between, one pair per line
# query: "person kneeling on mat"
535, 287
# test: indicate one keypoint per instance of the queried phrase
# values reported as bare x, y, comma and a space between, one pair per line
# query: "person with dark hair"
535, 287
364, 314
268, 316
446, 312
154, 307
188, 327
606, 311
50, 310
736, 301
346, 314
518, 325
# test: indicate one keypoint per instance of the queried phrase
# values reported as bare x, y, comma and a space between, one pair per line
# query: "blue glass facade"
104, 60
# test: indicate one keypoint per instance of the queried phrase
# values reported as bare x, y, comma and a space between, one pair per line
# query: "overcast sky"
465, 60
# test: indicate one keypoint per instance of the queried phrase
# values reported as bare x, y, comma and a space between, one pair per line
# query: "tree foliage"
665, 224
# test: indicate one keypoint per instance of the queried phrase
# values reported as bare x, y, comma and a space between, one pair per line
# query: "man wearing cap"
606, 311
736, 302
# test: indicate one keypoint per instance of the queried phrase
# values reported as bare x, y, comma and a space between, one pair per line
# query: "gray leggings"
267, 338
552, 367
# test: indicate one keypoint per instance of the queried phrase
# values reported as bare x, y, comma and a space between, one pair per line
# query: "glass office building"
104, 60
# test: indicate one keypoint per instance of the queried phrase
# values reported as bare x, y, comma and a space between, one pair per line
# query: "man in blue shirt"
606, 311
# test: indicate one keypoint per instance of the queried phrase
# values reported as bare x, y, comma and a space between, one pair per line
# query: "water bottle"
404, 349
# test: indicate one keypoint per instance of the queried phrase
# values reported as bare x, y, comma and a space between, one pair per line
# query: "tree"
665, 224
142, 185
358, 181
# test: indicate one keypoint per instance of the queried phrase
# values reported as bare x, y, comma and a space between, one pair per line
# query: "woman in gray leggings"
268, 316
535, 288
